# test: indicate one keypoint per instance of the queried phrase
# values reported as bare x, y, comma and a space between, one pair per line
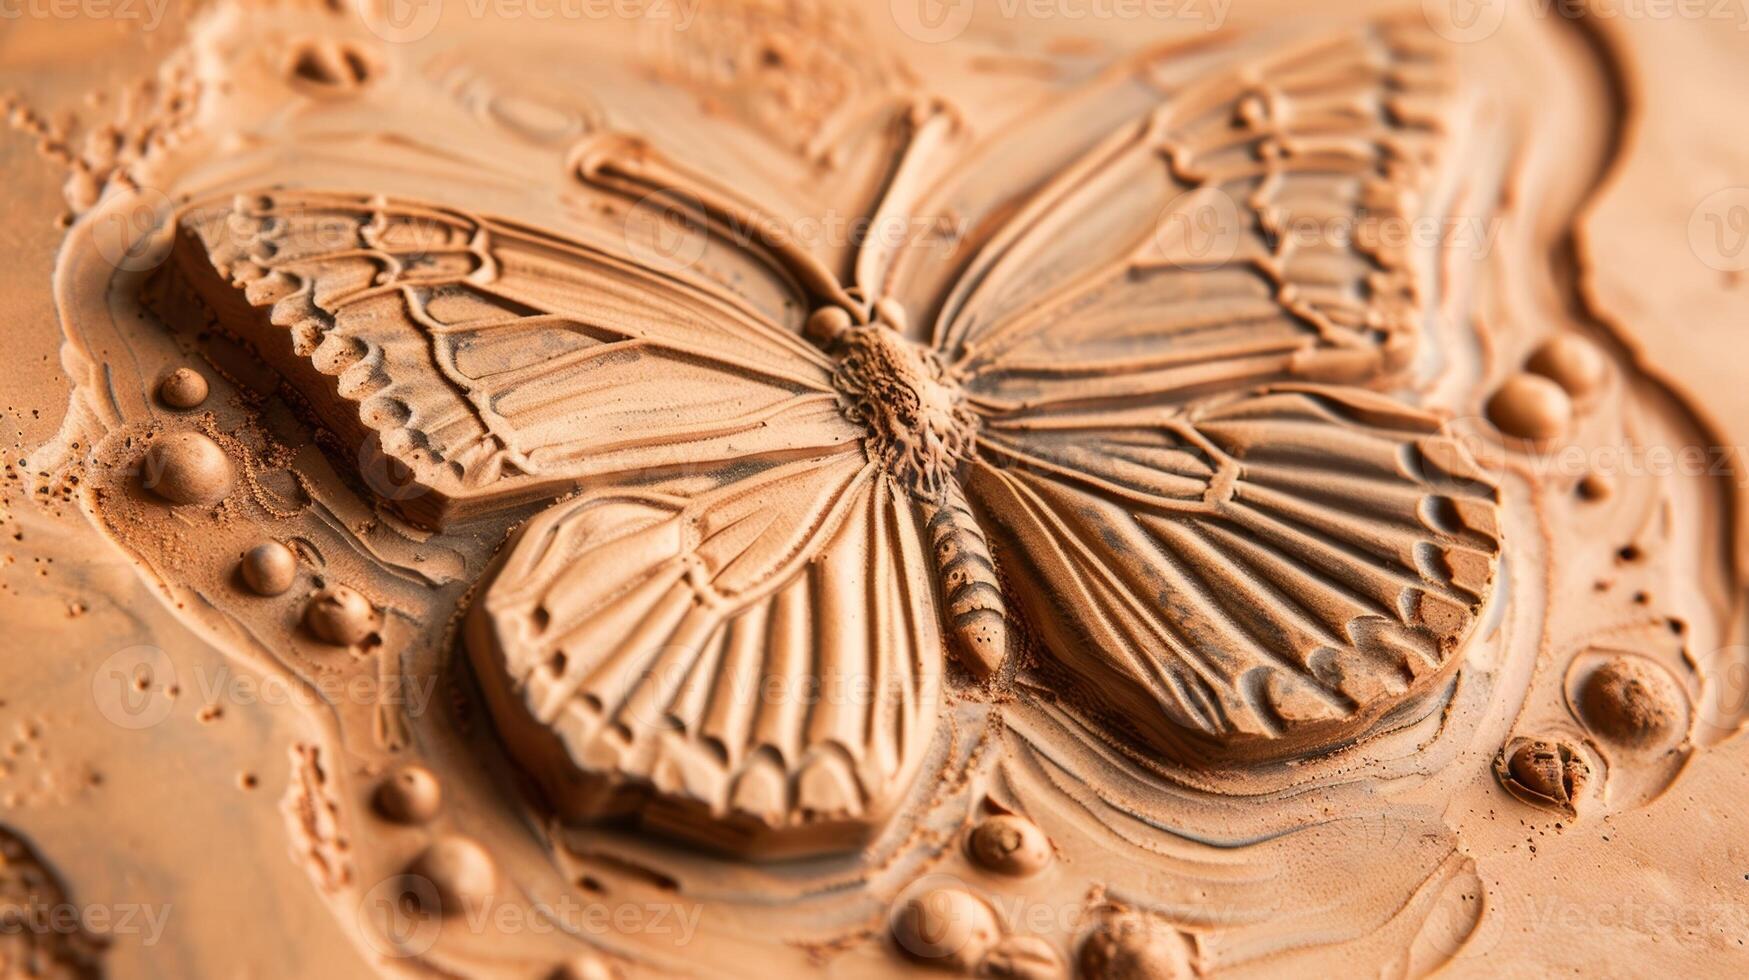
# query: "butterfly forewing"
1248, 227
496, 363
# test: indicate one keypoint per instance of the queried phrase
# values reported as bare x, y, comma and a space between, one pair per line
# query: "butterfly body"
972, 605
920, 429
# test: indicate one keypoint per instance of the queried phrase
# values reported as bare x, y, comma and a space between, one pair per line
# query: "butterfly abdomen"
975, 613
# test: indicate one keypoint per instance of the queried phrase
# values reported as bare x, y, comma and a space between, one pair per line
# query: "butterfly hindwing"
751, 661
1264, 572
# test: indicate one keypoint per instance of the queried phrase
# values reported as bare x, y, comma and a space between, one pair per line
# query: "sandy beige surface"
223, 817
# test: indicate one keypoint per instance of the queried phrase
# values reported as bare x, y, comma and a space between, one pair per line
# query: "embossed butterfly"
1170, 473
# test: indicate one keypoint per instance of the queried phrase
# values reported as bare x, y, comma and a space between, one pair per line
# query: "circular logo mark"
132, 686
666, 231
387, 476
939, 920
1464, 21
1199, 228
400, 21
932, 21
1724, 699
1482, 443
401, 916
133, 232
1718, 230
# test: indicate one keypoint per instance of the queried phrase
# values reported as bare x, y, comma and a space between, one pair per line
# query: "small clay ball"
1594, 486
188, 468
1134, 946
585, 967
945, 926
1572, 362
269, 568
409, 794
1010, 845
460, 870
183, 388
1629, 701
340, 616
826, 323
892, 312
1531, 406
1022, 958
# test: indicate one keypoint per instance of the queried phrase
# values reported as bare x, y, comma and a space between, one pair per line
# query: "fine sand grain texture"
751, 489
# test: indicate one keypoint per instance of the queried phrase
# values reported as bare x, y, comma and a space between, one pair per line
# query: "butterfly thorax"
919, 424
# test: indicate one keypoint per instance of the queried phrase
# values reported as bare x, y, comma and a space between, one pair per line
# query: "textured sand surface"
1031, 593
